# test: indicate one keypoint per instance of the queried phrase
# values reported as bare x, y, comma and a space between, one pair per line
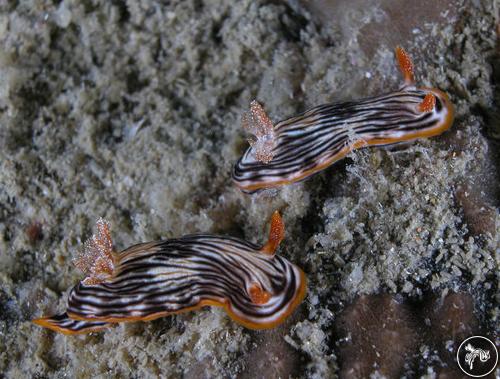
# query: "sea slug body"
301, 146
256, 287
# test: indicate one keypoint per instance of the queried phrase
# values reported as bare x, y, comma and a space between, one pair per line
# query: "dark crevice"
123, 10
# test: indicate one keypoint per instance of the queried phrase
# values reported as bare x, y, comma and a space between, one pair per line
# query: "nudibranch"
256, 287
300, 146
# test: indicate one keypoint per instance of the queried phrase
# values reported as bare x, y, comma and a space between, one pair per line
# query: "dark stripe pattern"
318, 136
175, 275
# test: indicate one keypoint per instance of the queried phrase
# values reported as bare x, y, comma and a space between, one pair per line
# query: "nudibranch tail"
314, 140
161, 278
62, 323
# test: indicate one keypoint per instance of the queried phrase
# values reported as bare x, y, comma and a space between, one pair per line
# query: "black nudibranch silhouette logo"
477, 356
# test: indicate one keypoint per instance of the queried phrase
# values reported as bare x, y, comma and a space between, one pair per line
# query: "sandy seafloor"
131, 111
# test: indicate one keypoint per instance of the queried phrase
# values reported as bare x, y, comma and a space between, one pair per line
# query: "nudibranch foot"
314, 140
257, 288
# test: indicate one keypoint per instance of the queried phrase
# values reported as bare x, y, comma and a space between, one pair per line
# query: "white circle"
494, 366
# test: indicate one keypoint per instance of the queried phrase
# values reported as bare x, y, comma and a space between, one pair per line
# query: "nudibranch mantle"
312, 141
256, 287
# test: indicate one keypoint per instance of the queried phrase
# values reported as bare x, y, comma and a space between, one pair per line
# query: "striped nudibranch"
300, 146
256, 287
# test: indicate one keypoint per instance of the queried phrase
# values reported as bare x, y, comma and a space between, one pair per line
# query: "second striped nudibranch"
300, 146
256, 287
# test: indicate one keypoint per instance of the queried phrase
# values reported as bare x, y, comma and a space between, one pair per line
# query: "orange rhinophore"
258, 295
405, 64
276, 234
428, 104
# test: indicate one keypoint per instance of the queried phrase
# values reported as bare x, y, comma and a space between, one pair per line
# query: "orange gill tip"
258, 295
276, 234
97, 260
428, 103
405, 65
